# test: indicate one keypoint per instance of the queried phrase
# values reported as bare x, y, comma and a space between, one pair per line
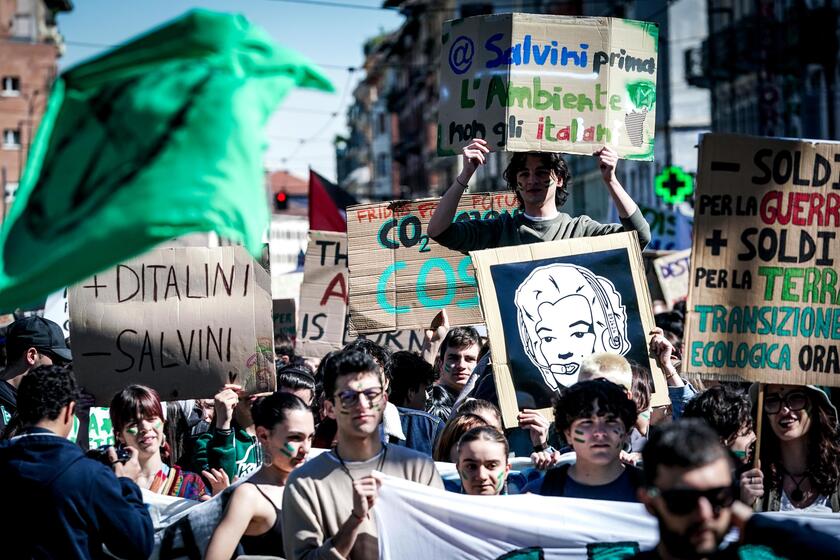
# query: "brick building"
29, 49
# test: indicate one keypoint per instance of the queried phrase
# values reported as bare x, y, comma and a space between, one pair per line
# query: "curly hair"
725, 409
409, 371
581, 399
823, 450
553, 161
43, 392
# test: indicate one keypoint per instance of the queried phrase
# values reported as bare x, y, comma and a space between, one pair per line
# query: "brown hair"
451, 434
551, 160
133, 403
485, 433
823, 448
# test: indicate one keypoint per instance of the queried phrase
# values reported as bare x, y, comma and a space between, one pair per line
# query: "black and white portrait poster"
550, 305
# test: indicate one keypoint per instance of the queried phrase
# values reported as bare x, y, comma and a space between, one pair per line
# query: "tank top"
269, 543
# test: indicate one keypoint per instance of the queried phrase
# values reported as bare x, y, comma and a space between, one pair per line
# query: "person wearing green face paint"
137, 417
284, 427
727, 411
595, 417
483, 462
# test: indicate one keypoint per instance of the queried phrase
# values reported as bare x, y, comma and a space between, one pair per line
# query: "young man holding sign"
540, 181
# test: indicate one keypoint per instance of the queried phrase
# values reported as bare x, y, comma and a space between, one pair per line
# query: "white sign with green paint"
528, 82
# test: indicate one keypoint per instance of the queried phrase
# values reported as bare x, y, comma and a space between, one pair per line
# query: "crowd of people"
303, 460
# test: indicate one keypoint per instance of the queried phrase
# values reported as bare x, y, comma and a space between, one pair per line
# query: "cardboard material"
323, 295
399, 277
529, 82
673, 272
184, 321
763, 300
549, 305
284, 317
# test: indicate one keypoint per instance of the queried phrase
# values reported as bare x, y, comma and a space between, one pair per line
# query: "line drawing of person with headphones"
565, 313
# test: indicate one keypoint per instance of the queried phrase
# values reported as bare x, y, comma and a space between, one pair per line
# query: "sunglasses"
350, 398
794, 401
684, 501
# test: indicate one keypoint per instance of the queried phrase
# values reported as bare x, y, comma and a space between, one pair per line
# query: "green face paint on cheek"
500, 481
740, 454
158, 424
132, 431
579, 436
288, 450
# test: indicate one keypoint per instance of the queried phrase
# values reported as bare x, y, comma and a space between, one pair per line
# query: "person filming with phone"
57, 502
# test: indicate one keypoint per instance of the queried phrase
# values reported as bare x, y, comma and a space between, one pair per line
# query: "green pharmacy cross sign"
673, 185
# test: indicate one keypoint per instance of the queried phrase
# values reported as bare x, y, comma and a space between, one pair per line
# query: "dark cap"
39, 333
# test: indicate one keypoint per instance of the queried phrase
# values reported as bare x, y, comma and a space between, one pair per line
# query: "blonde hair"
611, 367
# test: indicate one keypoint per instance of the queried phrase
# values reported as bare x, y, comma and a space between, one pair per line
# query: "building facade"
771, 67
30, 46
403, 71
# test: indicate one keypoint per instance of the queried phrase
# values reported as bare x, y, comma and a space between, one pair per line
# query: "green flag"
157, 138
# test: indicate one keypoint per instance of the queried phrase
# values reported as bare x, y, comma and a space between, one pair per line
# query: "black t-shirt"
557, 482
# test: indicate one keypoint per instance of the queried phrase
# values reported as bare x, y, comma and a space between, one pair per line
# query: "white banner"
416, 521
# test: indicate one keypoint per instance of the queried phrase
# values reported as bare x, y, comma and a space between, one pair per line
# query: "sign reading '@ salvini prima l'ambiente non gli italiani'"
528, 82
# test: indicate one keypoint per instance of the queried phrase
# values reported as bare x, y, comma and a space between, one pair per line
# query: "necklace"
383, 454
797, 495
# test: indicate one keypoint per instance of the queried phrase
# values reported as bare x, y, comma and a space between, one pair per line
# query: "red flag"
327, 203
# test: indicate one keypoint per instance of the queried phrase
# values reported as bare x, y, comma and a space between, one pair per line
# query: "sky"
329, 35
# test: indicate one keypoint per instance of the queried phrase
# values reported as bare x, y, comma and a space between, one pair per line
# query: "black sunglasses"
796, 400
683, 501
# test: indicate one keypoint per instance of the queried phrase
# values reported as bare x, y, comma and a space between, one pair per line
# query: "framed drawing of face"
550, 305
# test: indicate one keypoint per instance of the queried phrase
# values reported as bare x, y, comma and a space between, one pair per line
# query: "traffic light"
281, 201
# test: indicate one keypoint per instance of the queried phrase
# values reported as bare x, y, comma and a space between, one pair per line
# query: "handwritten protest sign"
323, 321
764, 302
323, 294
548, 83
400, 278
284, 317
550, 305
673, 272
184, 321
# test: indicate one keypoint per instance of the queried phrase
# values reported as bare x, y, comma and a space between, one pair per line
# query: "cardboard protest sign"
549, 305
528, 82
399, 278
323, 319
323, 294
763, 300
673, 272
284, 317
184, 321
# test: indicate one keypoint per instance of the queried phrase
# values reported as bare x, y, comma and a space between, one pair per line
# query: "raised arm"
607, 162
474, 155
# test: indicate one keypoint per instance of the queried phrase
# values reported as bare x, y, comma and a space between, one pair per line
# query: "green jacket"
235, 450
506, 230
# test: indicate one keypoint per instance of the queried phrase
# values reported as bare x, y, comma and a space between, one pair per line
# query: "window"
11, 189
11, 86
11, 138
